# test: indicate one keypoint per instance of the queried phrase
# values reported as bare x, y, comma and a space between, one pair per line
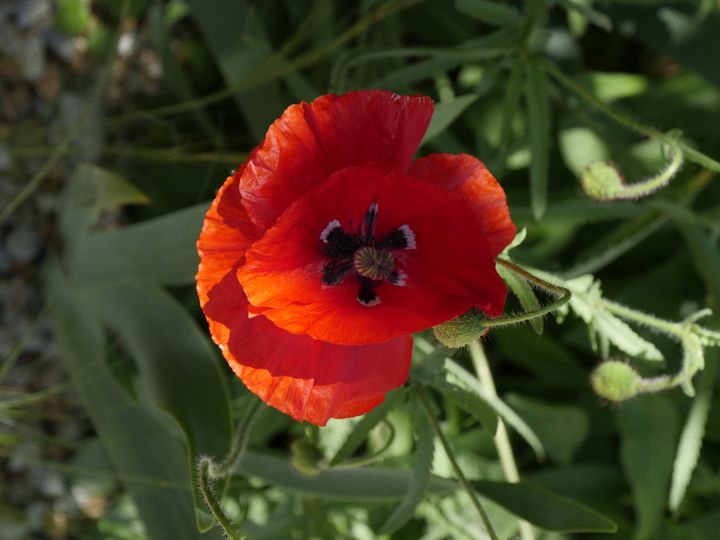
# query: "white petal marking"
334, 224
409, 237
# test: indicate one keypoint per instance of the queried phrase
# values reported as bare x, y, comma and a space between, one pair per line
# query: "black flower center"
359, 254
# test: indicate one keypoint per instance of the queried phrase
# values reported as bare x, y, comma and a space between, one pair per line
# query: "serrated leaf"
418, 484
691, 439
544, 508
538, 110
648, 428
623, 337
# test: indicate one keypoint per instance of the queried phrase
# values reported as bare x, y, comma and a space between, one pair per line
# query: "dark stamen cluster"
358, 253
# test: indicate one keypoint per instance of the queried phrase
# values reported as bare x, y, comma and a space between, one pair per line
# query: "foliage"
539, 91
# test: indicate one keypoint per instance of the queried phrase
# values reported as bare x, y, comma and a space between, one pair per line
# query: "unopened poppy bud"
615, 381
462, 330
306, 457
602, 181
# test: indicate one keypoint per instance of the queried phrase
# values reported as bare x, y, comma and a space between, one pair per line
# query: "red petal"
309, 142
226, 234
305, 378
451, 270
468, 176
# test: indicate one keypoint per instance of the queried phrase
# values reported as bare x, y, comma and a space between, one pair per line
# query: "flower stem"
689, 152
206, 488
502, 440
425, 402
208, 470
564, 294
239, 442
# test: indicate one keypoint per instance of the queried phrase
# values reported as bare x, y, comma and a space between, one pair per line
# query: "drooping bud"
602, 181
615, 381
462, 330
306, 457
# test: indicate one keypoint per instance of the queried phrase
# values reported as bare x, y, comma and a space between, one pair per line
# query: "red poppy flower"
327, 249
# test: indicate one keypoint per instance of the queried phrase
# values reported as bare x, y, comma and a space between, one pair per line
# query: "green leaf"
691, 439
73, 16
463, 397
446, 113
358, 484
172, 72
91, 190
581, 8
543, 508
160, 250
562, 429
525, 295
174, 358
624, 337
538, 111
494, 13
648, 428
579, 146
148, 460
459, 375
614, 86
704, 251
586, 291
363, 428
237, 40
418, 484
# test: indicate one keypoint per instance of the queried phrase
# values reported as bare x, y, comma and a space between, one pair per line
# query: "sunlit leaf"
691, 438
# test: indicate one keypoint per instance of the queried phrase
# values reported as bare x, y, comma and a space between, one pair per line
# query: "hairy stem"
689, 152
208, 470
206, 488
425, 401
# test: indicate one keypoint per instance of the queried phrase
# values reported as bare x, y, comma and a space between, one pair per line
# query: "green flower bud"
615, 381
602, 181
462, 330
306, 457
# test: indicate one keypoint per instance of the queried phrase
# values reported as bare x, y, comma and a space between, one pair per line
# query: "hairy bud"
462, 330
615, 381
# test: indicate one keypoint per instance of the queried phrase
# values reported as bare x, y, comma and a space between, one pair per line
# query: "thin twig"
425, 401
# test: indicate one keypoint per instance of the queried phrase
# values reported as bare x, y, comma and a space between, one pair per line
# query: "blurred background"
119, 120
